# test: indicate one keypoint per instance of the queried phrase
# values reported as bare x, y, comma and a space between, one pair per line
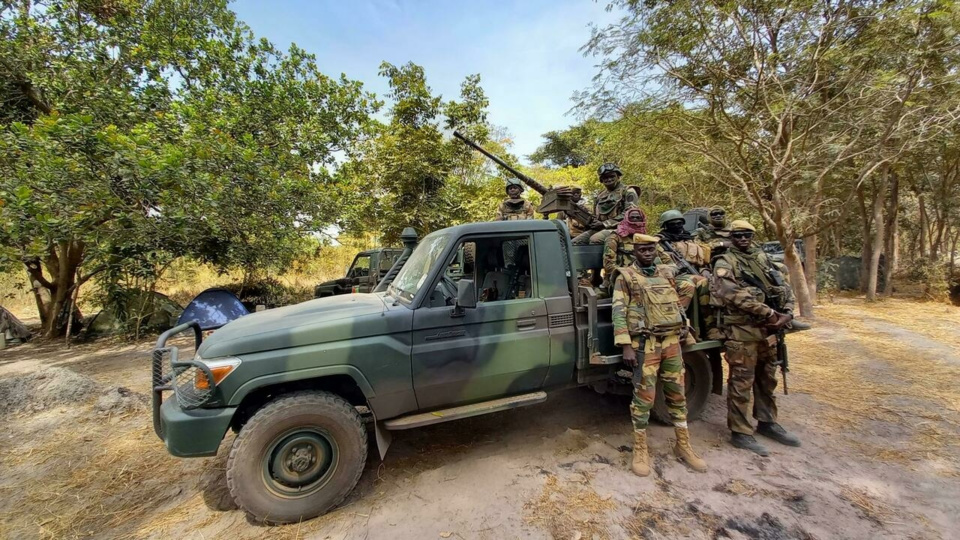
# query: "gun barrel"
536, 186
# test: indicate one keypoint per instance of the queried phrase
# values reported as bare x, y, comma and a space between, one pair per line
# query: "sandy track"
874, 396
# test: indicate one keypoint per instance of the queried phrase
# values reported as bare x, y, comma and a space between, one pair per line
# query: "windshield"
413, 275
360, 266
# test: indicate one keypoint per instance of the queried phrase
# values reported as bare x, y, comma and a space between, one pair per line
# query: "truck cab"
452, 336
363, 274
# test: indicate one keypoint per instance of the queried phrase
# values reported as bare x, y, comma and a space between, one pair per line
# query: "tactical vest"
733, 316
659, 309
693, 252
610, 203
514, 210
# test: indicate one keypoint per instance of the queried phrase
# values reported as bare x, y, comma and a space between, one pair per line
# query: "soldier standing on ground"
514, 207
609, 205
743, 284
648, 323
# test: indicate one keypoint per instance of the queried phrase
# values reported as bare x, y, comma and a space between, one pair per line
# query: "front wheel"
698, 381
297, 457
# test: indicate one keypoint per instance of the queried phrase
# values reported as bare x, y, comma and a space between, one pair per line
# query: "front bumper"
195, 432
182, 424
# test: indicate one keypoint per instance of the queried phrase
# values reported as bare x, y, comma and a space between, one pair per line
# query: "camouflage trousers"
753, 378
661, 359
592, 237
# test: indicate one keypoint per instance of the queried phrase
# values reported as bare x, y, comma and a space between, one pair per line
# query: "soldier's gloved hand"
597, 226
629, 356
781, 320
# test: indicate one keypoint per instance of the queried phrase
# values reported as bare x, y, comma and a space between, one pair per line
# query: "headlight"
219, 368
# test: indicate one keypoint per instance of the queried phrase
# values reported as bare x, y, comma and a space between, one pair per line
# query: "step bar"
465, 411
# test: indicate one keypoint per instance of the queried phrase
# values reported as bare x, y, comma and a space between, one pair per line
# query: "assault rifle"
554, 199
685, 267
775, 302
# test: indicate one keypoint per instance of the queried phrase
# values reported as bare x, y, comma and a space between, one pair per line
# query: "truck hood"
307, 323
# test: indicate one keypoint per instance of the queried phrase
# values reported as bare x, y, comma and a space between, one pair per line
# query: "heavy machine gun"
554, 200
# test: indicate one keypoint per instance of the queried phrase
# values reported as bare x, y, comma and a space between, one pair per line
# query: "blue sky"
526, 52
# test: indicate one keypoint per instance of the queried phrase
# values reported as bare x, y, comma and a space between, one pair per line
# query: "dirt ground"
874, 395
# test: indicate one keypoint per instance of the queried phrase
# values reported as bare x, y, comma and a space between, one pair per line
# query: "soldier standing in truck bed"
743, 284
716, 235
618, 247
648, 323
573, 225
609, 205
684, 245
514, 207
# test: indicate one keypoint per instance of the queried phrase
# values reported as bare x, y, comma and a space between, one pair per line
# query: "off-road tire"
469, 257
699, 383
309, 409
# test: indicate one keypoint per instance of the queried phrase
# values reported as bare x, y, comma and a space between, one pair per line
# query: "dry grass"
885, 377
868, 506
566, 510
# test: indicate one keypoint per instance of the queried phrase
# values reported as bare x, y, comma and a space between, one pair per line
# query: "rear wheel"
297, 457
698, 381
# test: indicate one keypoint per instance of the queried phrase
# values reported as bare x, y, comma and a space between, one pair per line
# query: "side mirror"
466, 297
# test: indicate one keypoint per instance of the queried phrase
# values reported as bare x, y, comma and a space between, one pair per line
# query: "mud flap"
384, 437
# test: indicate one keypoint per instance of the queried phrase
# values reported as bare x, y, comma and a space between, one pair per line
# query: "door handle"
525, 324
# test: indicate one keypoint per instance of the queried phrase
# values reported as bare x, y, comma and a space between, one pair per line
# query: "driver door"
499, 348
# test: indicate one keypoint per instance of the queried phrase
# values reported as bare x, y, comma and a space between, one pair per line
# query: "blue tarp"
213, 308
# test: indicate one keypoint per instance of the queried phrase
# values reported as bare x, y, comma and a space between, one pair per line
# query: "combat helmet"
609, 167
513, 182
669, 215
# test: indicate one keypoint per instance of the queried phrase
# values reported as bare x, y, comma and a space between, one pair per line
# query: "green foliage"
407, 173
130, 128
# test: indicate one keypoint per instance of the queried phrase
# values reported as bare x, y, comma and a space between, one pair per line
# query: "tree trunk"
797, 278
867, 245
876, 248
810, 260
890, 242
53, 294
923, 226
953, 253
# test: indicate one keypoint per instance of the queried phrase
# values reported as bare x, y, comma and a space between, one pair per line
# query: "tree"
795, 105
408, 173
135, 127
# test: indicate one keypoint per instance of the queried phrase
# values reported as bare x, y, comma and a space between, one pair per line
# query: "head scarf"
626, 229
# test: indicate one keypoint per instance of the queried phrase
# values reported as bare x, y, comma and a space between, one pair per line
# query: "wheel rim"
300, 462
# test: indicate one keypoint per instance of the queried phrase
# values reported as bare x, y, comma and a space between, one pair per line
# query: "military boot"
797, 326
776, 432
641, 460
685, 452
747, 442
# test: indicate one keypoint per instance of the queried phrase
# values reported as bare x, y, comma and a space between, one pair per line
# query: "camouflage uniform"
609, 208
750, 348
661, 348
698, 255
514, 209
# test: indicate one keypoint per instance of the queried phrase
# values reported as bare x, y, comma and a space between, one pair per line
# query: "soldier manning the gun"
692, 257
618, 247
648, 323
576, 196
514, 207
748, 285
609, 205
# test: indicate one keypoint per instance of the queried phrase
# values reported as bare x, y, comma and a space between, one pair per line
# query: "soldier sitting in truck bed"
609, 205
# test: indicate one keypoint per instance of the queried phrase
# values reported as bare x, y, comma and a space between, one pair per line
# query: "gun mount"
559, 199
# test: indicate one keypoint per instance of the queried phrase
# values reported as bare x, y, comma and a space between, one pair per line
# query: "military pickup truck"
367, 269
446, 339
